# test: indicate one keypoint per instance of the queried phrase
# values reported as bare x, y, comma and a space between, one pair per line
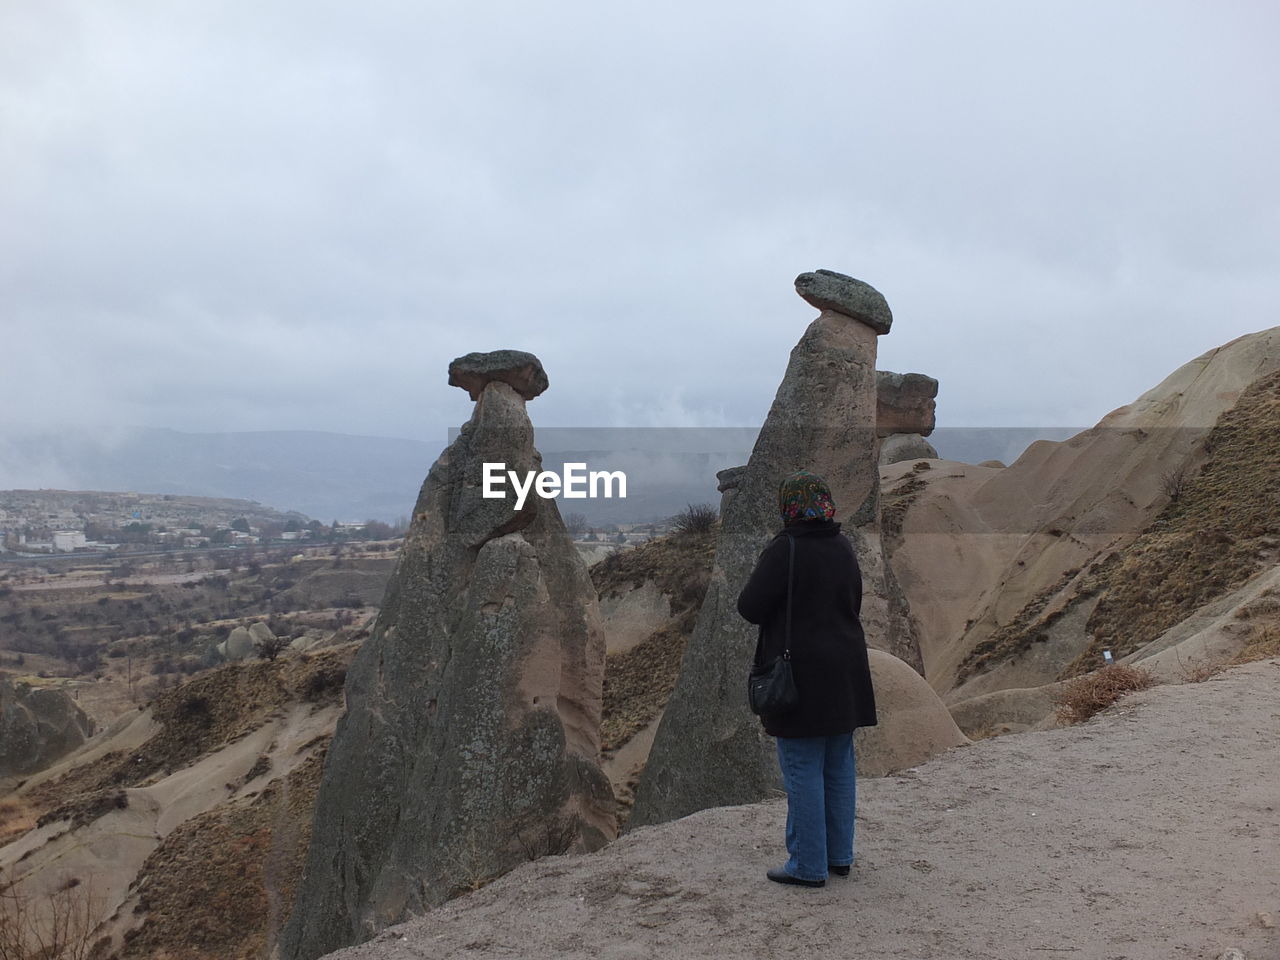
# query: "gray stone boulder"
239, 645
521, 371
260, 633
470, 743
905, 403
38, 725
828, 290
710, 750
906, 446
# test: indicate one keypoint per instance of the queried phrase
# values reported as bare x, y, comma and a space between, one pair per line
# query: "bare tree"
1174, 483
60, 928
272, 647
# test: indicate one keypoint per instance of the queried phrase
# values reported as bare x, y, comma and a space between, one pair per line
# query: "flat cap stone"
905, 403
828, 290
729, 477
522, 371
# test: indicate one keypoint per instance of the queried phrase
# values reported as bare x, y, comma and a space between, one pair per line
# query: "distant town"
36, 523
45, 523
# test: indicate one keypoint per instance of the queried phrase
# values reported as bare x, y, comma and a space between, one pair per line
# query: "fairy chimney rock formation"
709, 749
905, 403
828, 290
521, 371
470, 743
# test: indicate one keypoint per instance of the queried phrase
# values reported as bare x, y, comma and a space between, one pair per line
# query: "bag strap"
791, 565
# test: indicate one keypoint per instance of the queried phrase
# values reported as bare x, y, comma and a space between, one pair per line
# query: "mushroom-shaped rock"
522, 371
828, 290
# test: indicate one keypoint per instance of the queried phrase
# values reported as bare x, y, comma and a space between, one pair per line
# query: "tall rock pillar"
710, 749
470, 740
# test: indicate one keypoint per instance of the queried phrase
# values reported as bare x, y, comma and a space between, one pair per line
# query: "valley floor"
1151, 832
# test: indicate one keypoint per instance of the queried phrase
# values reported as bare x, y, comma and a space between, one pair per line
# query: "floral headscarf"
805, 496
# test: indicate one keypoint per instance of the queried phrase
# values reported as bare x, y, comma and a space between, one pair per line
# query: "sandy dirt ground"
1151, 832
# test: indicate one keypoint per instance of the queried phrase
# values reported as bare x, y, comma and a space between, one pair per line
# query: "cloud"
236, 216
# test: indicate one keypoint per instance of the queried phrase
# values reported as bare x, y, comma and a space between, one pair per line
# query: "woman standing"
829, 662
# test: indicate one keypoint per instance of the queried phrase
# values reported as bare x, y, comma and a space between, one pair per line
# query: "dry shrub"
1198, 671
695, 519
1085, 696
61, 927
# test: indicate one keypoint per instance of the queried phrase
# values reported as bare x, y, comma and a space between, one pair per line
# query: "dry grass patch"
679, 565
16, 818
896, 502
1262, 645
1085, 696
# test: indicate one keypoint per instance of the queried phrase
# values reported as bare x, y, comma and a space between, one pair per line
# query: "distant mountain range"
333, 476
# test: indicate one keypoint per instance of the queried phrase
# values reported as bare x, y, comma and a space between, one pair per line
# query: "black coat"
828, 649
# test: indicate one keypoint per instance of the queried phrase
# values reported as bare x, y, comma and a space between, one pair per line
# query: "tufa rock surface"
37, 726
470, 742
905, 403
260, 633
727, 479
521, 371
710, 750
828, 290
915, 725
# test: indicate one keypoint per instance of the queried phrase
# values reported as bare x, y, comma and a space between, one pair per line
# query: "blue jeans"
821, 780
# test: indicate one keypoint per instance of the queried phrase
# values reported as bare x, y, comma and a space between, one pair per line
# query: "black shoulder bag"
772, 689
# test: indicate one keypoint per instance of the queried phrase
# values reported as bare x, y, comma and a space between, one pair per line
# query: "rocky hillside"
1019, 576
182, 828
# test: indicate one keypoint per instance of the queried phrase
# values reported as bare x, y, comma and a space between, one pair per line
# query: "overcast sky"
292, 215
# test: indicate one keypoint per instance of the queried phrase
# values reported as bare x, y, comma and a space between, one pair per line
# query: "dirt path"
1153, 832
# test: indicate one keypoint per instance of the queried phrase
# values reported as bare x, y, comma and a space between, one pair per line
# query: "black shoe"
778, 875
838, 870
